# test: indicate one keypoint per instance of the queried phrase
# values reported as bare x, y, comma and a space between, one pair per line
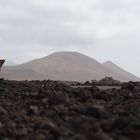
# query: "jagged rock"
33, 110
2, 111
102, 136
40, 110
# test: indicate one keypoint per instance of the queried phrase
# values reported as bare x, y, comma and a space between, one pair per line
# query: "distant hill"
119, 70
69, 66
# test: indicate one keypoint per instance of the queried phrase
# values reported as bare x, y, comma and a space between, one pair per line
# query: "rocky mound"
40, 110
108, 81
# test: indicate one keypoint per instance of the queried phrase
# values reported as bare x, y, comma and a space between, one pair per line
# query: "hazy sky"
102, 29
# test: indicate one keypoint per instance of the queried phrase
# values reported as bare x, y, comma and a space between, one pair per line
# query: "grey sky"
102, 29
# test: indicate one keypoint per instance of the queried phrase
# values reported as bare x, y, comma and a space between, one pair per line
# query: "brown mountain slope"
16, 74
110, 65
70, 66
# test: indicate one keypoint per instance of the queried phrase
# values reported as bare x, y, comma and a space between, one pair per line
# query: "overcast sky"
102, 29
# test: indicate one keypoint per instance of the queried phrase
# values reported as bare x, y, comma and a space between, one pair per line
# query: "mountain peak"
70, 52
112, 66
108, 62
61, 53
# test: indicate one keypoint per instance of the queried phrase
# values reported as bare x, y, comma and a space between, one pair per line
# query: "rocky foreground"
47, 110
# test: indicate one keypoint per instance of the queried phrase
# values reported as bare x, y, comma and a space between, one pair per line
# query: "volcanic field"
49, 110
